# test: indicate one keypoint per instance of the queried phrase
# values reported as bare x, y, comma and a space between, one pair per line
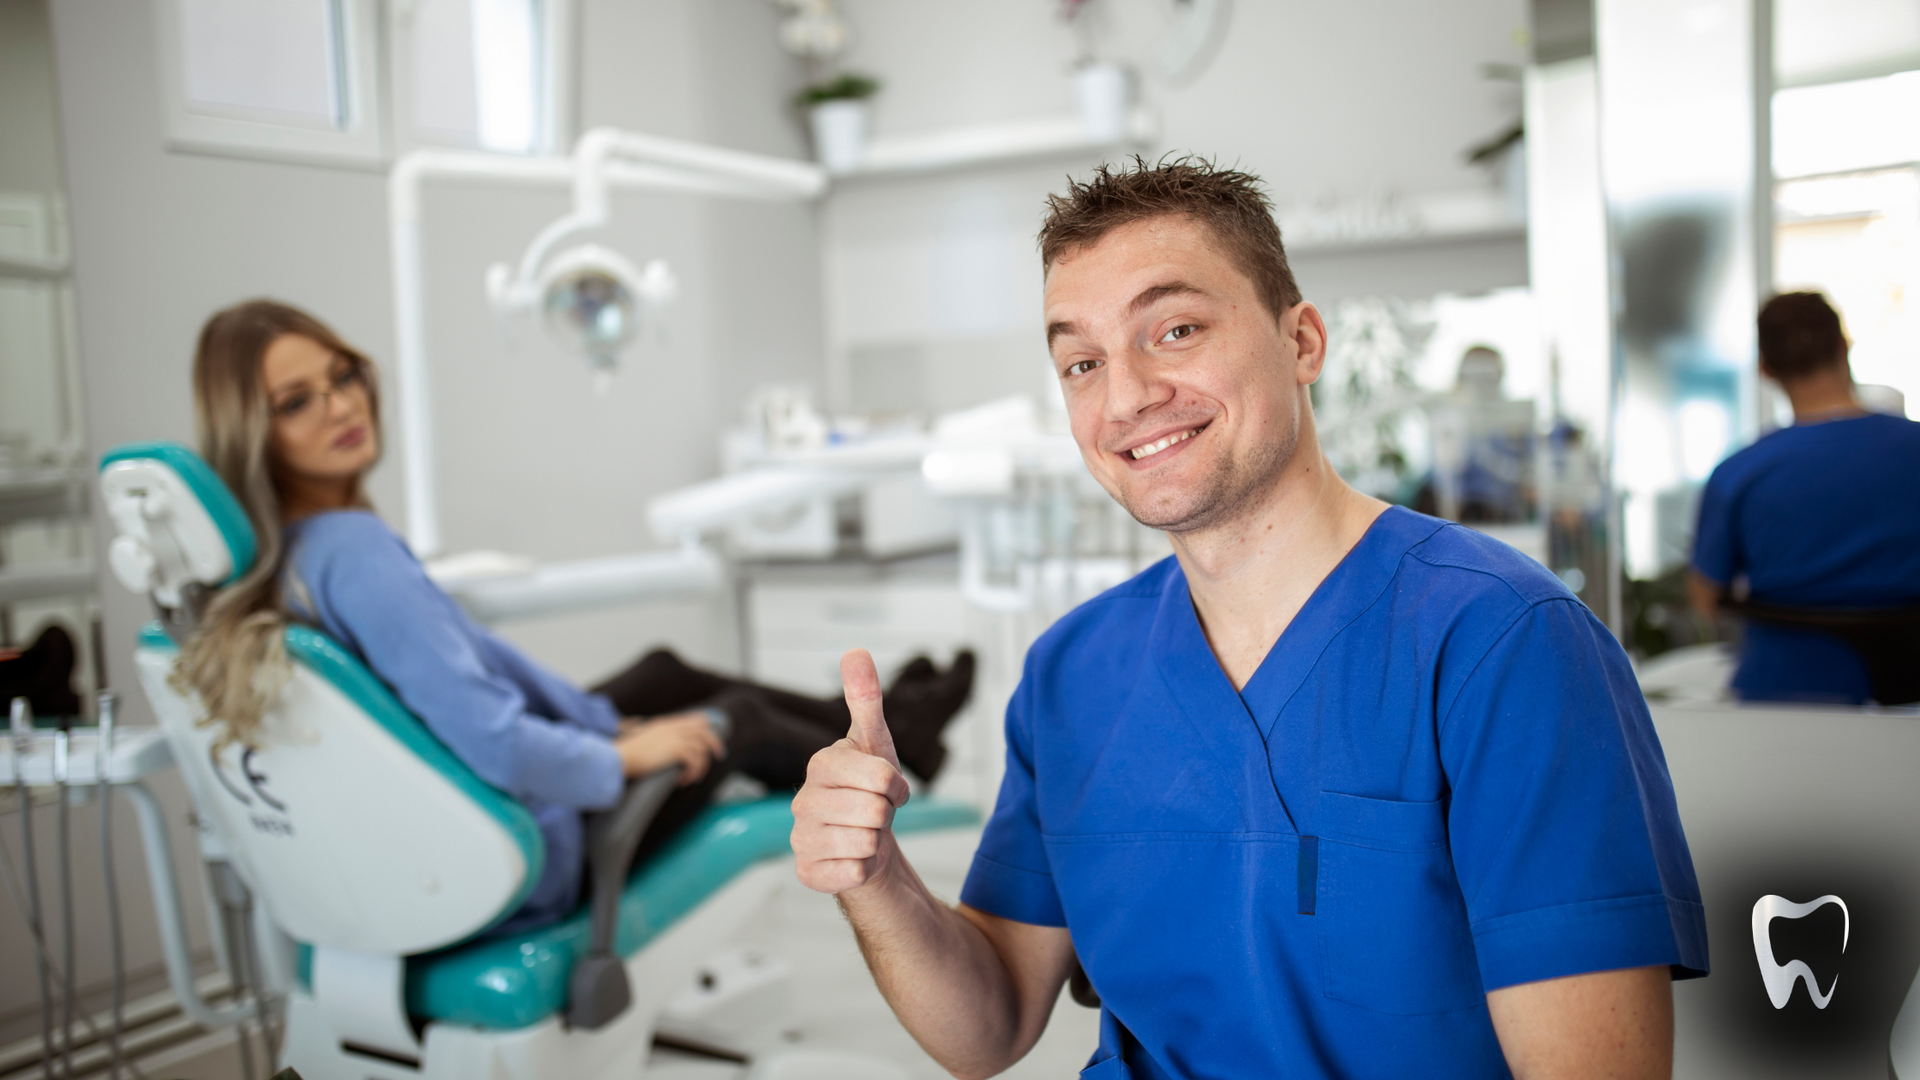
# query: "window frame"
361, 143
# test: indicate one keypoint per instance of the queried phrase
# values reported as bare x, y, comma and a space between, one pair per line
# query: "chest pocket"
1393, 927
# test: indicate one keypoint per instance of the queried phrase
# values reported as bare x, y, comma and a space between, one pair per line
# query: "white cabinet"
801, 619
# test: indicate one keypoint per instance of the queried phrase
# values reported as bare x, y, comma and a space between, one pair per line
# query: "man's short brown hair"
1228, 202
1800, 335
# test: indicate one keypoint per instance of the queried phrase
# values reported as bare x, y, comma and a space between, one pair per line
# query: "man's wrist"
883, 890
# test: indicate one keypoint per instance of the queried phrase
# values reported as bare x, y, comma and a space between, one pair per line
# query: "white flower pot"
840, 134
1104, 93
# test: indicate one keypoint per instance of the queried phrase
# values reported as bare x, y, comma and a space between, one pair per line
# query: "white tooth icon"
1778, 977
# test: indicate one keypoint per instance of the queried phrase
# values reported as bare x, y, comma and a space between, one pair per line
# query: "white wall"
532, 461
1319, 99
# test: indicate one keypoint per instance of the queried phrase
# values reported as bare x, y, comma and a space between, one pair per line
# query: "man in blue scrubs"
1822, 515
1339, 790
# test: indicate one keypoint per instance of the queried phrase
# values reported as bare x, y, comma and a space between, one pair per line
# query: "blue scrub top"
1442, 780
1818, 515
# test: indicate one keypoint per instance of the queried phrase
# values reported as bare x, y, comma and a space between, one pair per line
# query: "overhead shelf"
1403, 241
1376, 223
996, 143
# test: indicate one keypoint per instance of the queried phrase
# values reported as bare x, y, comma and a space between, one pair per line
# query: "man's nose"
1133, 385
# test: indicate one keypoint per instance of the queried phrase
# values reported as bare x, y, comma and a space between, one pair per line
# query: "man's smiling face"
1185, 393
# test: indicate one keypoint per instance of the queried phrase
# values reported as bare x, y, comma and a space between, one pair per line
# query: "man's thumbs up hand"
843, 816
869, 733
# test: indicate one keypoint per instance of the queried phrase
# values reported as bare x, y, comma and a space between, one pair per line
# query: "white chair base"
547, 1050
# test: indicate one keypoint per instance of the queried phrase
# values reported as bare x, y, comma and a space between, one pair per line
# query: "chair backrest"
355, 826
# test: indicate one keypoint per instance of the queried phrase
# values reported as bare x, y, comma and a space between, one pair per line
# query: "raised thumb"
869, 732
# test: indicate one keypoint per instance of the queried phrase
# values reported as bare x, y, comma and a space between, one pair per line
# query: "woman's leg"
660, 683
917, 709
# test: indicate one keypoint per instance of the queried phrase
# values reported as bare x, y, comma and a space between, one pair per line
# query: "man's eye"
1081, 367
1179, 333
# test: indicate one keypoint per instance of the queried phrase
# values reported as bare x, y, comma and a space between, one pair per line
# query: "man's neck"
1826, 395
1251, 575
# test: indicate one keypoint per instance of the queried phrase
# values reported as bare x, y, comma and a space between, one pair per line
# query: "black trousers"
774, 732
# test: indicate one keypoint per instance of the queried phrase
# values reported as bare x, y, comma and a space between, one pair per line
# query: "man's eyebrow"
1152, 296
1147, 298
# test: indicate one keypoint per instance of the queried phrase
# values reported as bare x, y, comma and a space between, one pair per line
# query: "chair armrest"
598, 989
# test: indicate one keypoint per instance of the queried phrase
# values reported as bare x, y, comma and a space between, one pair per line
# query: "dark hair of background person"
1228, 202
240, 634
1800, 335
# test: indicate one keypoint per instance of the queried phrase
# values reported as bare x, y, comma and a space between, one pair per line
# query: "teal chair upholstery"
520, 979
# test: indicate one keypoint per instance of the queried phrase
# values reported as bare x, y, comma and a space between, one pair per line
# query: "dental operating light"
596, 303
594, 300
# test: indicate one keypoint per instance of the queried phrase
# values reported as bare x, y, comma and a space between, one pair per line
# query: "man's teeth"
1155, 447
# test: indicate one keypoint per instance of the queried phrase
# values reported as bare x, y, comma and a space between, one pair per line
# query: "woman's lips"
351, 437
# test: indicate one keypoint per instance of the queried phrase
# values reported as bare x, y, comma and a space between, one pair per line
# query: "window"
1847, 126
301, 79
1847, 211
272, 78
1856, 237
482, 74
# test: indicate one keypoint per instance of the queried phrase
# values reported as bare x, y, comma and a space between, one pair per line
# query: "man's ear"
1303, 326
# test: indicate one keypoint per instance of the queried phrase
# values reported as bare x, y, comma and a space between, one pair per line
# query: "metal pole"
20, 720
62, 816
108, 704
1758, 422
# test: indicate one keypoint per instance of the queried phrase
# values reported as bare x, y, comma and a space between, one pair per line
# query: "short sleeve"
1716, 542
1011, 876
1565, 835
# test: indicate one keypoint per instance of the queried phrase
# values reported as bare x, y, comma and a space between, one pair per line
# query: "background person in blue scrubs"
1821, 515
1338, 790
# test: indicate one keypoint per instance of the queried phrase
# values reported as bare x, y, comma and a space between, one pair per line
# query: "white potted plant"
837, 109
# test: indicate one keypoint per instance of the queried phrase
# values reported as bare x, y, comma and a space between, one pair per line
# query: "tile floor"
839, 1009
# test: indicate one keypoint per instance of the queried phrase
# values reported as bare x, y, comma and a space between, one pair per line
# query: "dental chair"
388, 860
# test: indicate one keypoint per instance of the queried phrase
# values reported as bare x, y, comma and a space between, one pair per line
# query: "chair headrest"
177, 525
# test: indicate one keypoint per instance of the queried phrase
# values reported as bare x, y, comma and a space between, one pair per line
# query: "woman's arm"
373, 595
546, 692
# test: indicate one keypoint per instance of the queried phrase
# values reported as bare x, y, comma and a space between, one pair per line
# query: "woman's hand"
684, 739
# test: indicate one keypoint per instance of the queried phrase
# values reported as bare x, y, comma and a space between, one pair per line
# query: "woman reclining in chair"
289, 416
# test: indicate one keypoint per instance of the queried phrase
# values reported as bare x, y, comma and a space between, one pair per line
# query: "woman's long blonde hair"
235, 660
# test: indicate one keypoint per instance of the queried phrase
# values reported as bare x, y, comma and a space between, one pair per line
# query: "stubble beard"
1233, 489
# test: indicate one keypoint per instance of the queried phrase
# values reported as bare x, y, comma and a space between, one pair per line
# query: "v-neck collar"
1180, 647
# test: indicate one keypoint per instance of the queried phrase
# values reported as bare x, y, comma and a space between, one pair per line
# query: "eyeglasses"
300, 403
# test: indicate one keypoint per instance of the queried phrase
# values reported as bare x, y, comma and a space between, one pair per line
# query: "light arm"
973, 989
1607, 1024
